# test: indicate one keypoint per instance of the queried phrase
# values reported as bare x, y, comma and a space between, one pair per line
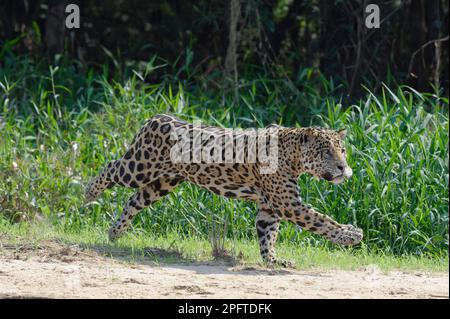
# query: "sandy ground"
56, 271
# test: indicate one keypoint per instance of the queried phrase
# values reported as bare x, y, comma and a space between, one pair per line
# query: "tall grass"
60, 127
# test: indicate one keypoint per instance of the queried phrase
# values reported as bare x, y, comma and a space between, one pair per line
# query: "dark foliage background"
242, 38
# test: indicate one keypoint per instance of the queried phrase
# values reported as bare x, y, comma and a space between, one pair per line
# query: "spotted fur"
147, 167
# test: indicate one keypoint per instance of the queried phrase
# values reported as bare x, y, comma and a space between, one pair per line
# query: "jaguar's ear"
306, 136
342, 133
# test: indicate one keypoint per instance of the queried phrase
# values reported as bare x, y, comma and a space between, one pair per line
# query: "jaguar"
150, 167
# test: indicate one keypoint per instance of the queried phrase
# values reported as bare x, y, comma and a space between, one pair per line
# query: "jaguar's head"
323, 154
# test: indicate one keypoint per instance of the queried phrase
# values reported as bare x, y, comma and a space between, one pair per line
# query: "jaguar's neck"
291, 140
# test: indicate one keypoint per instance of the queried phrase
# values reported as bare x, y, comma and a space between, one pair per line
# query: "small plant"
217, 238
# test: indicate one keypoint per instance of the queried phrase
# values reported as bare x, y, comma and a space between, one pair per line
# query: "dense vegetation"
236, 36
60, 126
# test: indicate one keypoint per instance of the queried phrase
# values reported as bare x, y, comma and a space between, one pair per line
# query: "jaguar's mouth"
327, 176
335, 179
338, 179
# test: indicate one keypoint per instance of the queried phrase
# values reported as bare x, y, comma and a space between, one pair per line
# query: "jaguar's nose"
347, 172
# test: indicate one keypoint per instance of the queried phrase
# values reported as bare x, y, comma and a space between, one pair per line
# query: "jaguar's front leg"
293, 209
309, 219
267, 225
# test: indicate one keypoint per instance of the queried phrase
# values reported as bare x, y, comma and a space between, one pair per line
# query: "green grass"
59, 127
175, 248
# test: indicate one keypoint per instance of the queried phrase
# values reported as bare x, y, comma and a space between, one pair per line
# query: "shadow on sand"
173, 258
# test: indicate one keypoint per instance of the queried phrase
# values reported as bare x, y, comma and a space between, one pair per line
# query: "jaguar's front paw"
349, 235
274, 262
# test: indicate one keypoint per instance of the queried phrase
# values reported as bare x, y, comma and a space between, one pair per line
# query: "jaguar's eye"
328, 154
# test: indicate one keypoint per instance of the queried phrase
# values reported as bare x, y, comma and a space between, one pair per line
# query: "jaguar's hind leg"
146, 196
105, 180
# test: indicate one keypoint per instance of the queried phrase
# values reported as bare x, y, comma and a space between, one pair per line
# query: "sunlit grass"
176, 248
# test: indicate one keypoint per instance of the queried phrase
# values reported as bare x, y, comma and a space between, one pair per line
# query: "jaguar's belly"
227, 180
